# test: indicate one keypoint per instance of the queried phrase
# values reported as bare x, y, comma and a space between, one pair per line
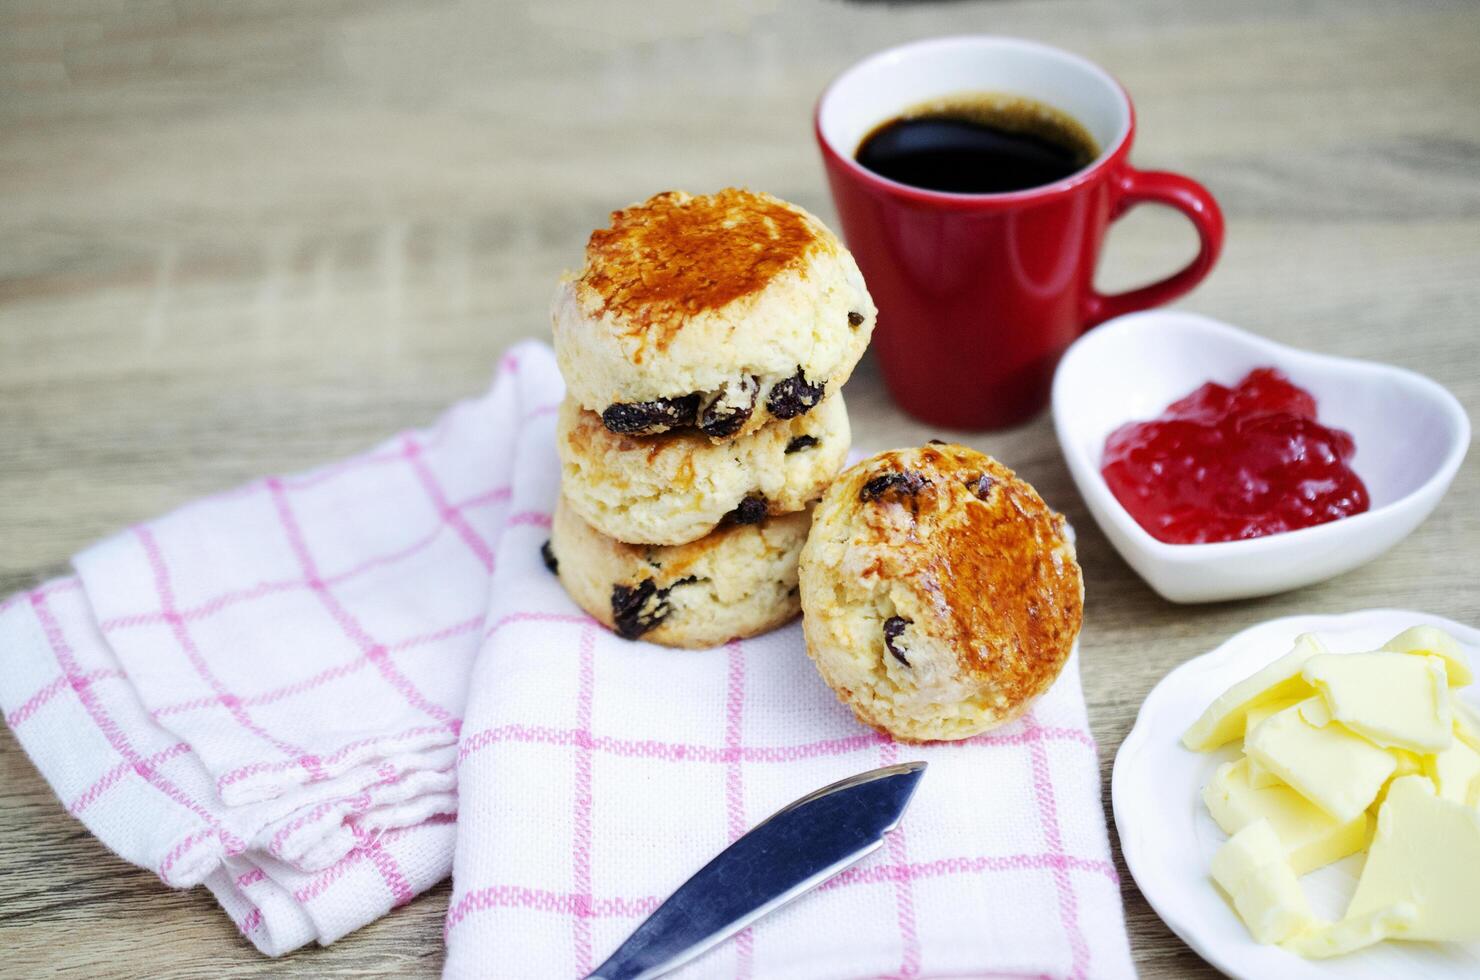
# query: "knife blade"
795, 849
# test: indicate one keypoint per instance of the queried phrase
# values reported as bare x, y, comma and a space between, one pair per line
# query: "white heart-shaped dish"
1411, 437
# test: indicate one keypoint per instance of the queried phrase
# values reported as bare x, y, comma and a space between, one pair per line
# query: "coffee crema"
978, 143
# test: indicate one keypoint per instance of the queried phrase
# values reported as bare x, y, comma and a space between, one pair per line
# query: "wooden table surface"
250, 237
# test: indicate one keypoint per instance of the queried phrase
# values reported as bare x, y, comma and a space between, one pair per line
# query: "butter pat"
1311, 838
1349, 935
1453, 771
1315, 712
1426, 853
1466, 724
1224, 720
1329, 766
1409, 763
1430, 641
1252, 869
1260, 777
1394, 700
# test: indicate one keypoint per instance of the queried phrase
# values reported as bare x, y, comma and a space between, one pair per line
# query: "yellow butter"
1409, 764
1315, 712
1349, 935
1434, 642
1391, 699
1453, 771
1336, 770
1426, 852
1259, 777
1466, 724
1310, 837
1251, 868
1223, 721
1329, 741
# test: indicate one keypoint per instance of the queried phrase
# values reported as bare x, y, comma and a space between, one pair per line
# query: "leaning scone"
720, 312
737, 582
676, 487
940, 594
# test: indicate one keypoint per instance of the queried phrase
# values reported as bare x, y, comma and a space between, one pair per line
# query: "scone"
940, 594
721, 312
737, 582
679, 486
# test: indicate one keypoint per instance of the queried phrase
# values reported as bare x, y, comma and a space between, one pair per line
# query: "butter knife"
794, 850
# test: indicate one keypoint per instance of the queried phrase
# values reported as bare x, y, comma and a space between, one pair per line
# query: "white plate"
1168, 838
1411, 436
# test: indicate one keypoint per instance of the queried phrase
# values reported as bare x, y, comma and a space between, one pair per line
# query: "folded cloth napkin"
264, 692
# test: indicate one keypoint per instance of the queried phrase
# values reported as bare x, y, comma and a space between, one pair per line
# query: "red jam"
1224, 464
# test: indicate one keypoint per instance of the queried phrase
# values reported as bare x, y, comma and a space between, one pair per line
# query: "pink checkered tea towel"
262, 692
265, 692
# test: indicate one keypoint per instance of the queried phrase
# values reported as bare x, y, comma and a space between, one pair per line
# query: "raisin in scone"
941, 594
720, 313
679, 486
737, 582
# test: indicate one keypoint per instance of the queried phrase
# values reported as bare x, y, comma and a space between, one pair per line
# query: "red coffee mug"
980, 294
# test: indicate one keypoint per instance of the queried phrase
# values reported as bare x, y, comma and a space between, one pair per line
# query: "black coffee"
979, 144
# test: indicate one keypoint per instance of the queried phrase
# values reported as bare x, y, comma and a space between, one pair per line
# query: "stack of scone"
703, 346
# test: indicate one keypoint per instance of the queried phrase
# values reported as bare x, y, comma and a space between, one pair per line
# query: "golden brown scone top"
675, 255
985, 554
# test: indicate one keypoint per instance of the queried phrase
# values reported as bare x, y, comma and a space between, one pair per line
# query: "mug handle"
1135, 187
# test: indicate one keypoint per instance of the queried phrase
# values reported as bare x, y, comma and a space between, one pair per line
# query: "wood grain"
249, 237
